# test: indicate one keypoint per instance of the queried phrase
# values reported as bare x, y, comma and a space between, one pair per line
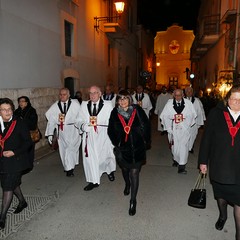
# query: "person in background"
28, 114
97, 150
162, 99
78, 96
61, 117
109, 94
143, 100
129, 129
197, 104
14, 158
219, 152
177, 117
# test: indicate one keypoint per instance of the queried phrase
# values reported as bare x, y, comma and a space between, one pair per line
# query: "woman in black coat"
129, 131
28, 114
15, 142
220, 150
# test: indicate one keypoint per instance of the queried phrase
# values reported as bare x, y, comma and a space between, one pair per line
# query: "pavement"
59, 208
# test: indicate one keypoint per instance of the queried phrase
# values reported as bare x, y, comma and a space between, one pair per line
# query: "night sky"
158, 15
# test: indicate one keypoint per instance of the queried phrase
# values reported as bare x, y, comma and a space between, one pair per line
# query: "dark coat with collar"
19, 142
216, 148
134, 149
29, 115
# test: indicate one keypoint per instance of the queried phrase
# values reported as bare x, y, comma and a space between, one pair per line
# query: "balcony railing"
210, 29
207, 34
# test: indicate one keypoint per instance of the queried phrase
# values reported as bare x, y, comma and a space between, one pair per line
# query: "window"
68, 35
173, 81
68, 30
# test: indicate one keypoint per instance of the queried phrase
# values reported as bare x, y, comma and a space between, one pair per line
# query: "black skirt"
228, 192
9, 181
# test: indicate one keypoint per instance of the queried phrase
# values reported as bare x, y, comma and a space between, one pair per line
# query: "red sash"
232, 130
126, 127
8, 134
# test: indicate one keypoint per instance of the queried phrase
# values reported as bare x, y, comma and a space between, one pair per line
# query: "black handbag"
198, 194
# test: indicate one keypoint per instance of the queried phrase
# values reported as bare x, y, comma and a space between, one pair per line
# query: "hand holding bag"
197, 198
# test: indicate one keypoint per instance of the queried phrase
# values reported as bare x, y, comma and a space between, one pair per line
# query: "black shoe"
191, 151
2, 223
126, 190
220, 224
20, 207
90, 186
182, 171
111, 177
132, 208
70, 173
175, 164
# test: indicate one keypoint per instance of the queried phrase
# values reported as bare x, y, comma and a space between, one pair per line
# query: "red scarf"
8, 134
232, 130
126, 127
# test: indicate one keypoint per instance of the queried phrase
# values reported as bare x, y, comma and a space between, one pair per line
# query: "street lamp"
119, 5
192, 76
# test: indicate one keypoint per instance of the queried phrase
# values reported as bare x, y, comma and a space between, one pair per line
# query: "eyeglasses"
235, 100
6, 110
93, 93
123, 98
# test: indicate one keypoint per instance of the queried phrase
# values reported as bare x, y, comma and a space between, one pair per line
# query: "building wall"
33, 61
218, 66
173, 64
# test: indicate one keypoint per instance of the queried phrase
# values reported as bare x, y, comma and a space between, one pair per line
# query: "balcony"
210, 29
207, 35
229, 16
113, 30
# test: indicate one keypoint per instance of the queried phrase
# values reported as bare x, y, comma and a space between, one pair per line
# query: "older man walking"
177, 118
98, 157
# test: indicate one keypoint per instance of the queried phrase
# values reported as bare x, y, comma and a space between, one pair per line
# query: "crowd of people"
115, 129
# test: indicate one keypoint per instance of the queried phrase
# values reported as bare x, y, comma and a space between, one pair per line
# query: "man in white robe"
109, 94
162, 99
178, 116
142, 99
197, 104
62, 116
97, 149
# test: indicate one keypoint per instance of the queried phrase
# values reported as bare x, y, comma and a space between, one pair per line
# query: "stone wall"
41, 99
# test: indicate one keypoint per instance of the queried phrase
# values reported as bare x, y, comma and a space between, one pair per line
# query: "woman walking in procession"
15, 143
129, 131
219, 149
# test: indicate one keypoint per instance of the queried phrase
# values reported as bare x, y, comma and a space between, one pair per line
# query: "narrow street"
59, 209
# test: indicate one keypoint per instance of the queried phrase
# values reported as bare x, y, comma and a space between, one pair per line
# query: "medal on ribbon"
61, 119
127, 128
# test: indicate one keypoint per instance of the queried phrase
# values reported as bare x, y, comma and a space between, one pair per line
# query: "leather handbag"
198, 194
35, 135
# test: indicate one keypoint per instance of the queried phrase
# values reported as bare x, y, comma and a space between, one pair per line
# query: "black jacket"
216, 148
19, 142
28, 115
134, 149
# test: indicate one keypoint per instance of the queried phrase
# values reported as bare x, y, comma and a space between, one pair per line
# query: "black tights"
131, 178
236, 213
222, 206
7, 200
